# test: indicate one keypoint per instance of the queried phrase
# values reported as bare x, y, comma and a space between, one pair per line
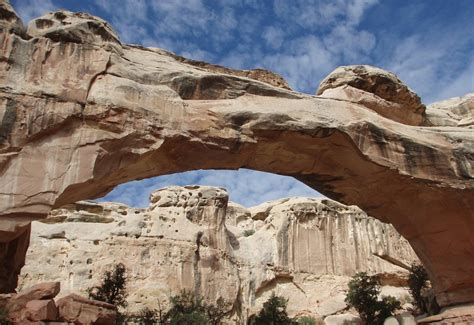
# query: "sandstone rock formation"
35, 305
190, 238
80, 113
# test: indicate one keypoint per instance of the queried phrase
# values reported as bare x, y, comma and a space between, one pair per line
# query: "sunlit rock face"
191, 238
80, 113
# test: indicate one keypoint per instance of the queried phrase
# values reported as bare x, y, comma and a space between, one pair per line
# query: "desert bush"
273, 312
112, 288
363, 295
417, 282
186, 308
146, 316
419, 285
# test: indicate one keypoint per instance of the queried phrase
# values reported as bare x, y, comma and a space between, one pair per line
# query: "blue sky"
428, 44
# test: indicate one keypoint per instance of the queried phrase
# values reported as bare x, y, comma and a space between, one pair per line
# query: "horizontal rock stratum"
81, 112
305, 249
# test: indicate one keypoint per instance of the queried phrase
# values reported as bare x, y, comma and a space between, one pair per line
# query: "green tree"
417, 282
186, 308
273, 312
363, 295
146, 316
112, 289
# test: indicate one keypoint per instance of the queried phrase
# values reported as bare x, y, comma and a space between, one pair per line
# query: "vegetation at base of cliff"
186, 309
273, 312
419, 286
190, 309
112, 288
363, 295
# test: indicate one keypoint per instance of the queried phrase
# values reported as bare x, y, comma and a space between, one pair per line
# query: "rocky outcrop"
35, 305
458, 111
84, 113
190, 238
391, 98
79, 310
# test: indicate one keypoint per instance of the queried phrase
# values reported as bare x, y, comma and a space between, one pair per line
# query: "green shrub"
273, 312
249, 232
417, 282
186, 308
420, 290
363, 295
112, 288
146, 316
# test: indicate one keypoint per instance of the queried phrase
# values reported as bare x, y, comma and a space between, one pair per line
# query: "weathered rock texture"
35, 305
80, 113
190, 238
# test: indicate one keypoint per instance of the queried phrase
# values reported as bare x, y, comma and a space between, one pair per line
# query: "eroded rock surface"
80, 115
190, 238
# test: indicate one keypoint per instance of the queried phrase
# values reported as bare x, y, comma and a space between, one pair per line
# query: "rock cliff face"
80, 113
190, 238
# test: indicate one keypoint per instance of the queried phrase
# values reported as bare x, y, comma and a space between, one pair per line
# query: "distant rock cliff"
191, 238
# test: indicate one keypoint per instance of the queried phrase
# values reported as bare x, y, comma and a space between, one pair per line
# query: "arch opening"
245, 187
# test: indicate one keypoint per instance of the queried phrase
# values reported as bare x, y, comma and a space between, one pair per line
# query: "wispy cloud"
246, 187
29, 9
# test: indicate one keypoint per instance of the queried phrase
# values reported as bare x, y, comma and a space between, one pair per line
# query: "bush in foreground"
112, 288
419, 284
273, 312
363, 295
188, 308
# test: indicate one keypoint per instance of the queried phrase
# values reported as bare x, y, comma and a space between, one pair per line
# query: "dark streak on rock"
8, 120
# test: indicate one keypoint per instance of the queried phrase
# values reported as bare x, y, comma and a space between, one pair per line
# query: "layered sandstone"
80, 113
36, 305
305, 249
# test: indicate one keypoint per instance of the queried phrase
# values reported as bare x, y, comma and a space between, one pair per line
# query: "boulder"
343, 319
41, 310
457, 111
391, 97
406, 318
81, 311
66, 26
391, 321
9, 19
16, 306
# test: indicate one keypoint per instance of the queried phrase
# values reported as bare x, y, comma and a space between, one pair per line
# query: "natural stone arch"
82, 112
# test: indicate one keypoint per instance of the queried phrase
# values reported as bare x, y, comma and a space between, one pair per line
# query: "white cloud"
349, 43
30, 9
316, 14
244, 186
304, 64
460, 85
273, 36
432, 63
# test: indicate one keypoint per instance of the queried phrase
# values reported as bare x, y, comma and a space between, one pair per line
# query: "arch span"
81, 113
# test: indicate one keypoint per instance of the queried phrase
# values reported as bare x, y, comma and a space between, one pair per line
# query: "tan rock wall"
303, 249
